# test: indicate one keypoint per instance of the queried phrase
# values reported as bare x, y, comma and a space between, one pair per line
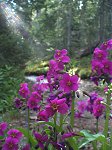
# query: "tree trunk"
102, 21
69, 23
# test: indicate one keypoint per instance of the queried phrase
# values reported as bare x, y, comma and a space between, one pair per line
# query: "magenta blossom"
81, 106
98, 110
100, 54
14, 133
68, 135
60, 53
41, 139
106, 45
53, 66
39, 78
107, 67
36, 95
98, 101
95, 79
64, 59
57, 105
42, 115
18, 103
10, 144
3, 127
60, 59
78, 114
97, 67
32, 103
24, 90
69, 83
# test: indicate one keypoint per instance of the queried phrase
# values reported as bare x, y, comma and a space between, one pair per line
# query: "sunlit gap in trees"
13, 20
18, 26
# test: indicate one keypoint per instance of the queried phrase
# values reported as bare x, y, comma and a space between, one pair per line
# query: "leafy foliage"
10, 78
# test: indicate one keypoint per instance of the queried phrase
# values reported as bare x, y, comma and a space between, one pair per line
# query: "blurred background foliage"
40, 27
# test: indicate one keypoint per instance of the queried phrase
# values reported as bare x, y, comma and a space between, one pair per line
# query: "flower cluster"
3, 127
49, 95
101, 65
93, 105
55, 94
12, 140
57, 85
24, 90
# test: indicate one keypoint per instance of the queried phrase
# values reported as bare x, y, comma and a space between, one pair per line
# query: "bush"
10, 77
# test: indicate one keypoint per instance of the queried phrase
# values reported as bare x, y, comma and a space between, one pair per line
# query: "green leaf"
73, 143
50, 147
100, 137
50, 124
47, 123
90, 137
83, 142
31, 138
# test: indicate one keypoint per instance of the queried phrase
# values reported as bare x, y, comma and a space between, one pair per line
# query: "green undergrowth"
10, 79
82, 67
36, 67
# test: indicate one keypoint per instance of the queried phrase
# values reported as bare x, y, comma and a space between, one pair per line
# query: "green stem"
111, 140
72, 111
61, 121
94, 145
55, 132
107, 118
28, 125
96, 125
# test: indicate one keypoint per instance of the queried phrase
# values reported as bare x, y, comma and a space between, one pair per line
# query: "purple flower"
81, 106
68, 135
64, 59
106, 45
14, 133
60, 53
32, 103
41, 139
39, 78
10, 144
69, 83
97, 67
98, 110
95, 79
107, 67
93, 97
42, 115
18, 103
78, 114
24, 90
89, 106
3, 127
57, 105
44, 87
53, 66
100, 54
98, 101
36, 95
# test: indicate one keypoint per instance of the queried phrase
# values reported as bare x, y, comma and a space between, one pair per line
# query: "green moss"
82, 67
37, 67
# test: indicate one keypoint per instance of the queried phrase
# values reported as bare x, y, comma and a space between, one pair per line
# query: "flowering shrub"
53, 99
